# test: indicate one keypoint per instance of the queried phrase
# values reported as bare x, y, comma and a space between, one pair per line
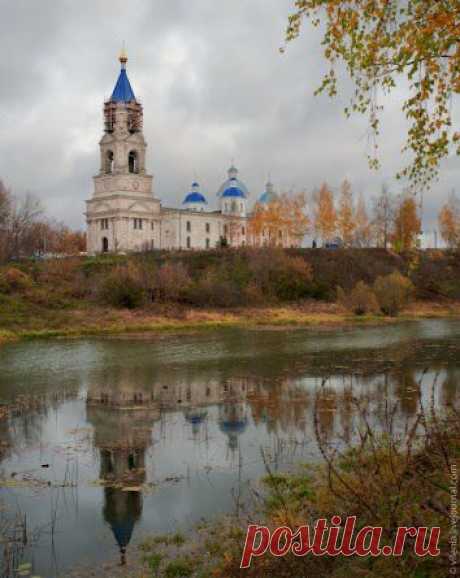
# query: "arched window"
133, 162
233, 207
109, 162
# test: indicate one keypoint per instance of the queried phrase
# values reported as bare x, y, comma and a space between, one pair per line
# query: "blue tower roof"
234, 190
269, 195
123, 91
233, 181
195, 196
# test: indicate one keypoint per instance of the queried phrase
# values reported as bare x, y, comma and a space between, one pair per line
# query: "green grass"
176, 539
153, 562
181, 568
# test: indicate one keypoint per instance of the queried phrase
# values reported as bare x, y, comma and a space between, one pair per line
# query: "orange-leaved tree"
282, 221
406, 225
345, 217
363, 229
449, 221
325, 214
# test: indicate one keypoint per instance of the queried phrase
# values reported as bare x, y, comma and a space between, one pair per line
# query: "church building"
124, 215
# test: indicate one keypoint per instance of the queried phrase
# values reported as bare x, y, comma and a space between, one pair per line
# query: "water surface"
115, 438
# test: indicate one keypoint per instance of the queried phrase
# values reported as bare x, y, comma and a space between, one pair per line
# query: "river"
110, 439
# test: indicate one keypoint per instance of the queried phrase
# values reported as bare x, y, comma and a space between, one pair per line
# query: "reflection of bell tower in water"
122, 435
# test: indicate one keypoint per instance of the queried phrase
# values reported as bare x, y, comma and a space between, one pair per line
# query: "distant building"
124, 215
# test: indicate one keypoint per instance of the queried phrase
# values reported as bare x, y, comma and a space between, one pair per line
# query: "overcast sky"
214, 88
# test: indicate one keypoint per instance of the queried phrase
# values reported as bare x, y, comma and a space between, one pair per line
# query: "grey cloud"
214, 87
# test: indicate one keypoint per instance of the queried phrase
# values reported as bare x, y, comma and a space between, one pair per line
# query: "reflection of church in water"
123, 416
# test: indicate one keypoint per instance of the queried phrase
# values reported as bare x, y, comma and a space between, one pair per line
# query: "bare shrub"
361, 300
58, 270
171, 281
252, 294
393, 292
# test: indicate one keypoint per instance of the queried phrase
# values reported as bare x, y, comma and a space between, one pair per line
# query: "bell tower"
123, 214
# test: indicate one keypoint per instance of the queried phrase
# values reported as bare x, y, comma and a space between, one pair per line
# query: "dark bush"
214, 291
122, 287
281, 276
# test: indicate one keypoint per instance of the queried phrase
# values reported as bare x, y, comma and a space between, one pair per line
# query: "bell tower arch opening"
133, 162
109, 162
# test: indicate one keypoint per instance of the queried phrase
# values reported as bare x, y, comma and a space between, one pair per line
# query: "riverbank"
35, 322
196, 291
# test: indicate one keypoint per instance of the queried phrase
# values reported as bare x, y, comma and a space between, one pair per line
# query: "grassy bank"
192, 291
37, 322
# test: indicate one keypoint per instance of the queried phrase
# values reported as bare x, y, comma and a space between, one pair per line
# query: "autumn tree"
383, 215
449, 221
25, 231
282, 221
5, 211
325, 214
5, 205
345, 217
22, 230
363, 230
296, 220
384, 44
406, 225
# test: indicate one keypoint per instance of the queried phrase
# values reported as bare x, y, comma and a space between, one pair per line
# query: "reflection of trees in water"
450, 387
26, 416
346, 410
406, 390
281, 404
5, 439
325, 407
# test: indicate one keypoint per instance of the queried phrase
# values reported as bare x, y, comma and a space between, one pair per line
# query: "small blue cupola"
195, 200
233, 189
269, 195
233, 182
123, 91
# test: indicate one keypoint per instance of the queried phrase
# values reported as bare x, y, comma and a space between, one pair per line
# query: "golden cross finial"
123, 58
